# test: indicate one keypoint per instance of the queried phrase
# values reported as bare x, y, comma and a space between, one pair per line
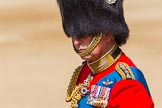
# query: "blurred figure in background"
107, 78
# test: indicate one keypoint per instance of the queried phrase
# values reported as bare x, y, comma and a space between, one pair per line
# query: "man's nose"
77, 41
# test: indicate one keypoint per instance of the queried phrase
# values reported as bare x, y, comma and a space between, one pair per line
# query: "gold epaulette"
124, 70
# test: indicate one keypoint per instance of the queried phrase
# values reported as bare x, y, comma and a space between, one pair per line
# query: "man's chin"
87, 58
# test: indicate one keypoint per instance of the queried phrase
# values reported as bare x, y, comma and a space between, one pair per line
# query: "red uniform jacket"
124, 93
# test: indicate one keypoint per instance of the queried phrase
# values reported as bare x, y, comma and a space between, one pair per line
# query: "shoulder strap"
124, 70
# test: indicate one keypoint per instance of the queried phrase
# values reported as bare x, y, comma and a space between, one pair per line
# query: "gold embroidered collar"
106, 60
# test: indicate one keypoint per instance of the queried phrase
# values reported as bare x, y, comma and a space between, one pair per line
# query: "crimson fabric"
83, 74
129, 94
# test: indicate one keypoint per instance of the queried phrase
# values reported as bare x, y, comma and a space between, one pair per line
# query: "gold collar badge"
105, 61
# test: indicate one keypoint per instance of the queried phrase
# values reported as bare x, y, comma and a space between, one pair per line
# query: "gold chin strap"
91, 47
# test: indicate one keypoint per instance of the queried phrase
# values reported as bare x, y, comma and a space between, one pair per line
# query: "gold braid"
92, 45
72, 83
76, 92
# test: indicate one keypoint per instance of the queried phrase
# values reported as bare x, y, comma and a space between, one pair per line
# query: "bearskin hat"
91, 17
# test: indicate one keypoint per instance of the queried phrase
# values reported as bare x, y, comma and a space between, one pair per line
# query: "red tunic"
125, 93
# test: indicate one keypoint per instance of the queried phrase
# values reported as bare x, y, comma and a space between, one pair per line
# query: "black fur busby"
91, 17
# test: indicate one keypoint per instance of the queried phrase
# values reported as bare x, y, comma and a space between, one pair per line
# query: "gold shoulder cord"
76, 92
124, 70
72, 83
93, 44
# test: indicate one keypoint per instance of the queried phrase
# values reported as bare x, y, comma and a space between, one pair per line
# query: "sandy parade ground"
37, 60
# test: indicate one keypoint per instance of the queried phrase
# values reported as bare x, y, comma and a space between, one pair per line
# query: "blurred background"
37, 60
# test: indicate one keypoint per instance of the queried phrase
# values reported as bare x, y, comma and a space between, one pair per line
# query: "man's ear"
109, 37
